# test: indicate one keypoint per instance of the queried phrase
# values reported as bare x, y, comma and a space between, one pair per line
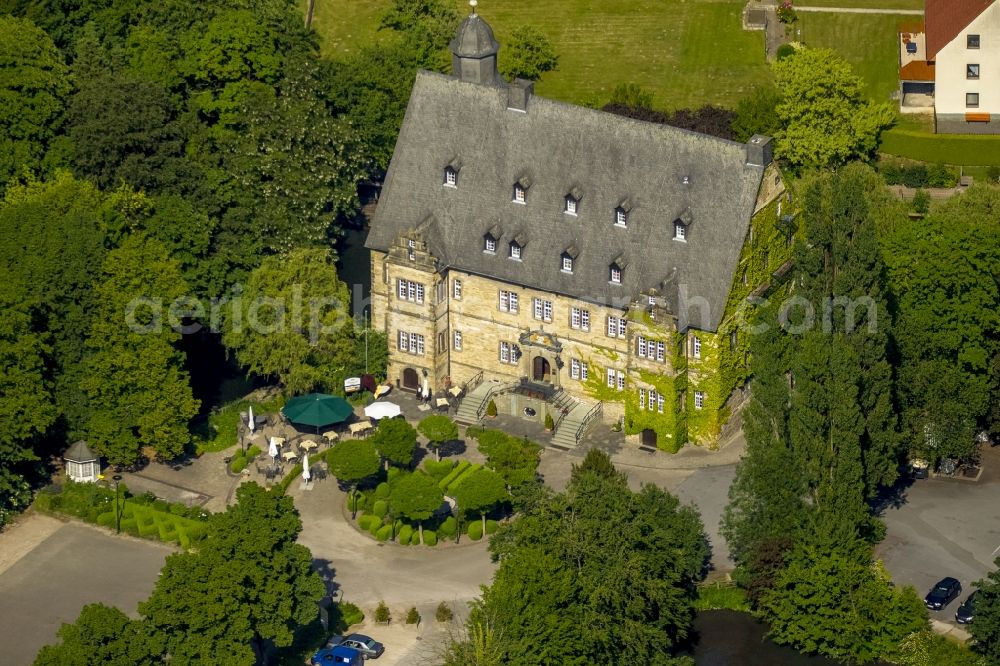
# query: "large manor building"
556, 259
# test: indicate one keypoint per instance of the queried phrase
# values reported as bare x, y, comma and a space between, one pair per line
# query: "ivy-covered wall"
704, 375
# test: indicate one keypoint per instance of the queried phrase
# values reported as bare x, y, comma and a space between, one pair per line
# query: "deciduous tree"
438, 429
481, 492
415, 496
353, 462
396, 441
986, 628
103, 635
528, 54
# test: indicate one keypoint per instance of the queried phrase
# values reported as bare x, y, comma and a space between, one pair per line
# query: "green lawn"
957, 149
688, 53
880, 4
867, 41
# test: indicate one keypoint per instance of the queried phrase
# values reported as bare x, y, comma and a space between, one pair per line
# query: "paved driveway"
945, 527
68, 566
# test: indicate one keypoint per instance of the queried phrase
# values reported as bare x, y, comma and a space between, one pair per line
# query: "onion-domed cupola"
474, 51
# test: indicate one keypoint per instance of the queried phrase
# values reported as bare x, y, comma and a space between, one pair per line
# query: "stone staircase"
471, 402
564, 438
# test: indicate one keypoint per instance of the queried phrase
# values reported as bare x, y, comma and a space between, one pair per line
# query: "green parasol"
317, 409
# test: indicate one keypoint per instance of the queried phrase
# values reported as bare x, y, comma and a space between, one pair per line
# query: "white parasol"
250, 419
426, 392
272, 450
306, 476
382, 410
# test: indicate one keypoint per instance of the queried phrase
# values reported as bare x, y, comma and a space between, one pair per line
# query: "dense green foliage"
527, 54
986, 627
479, 492
438, 429
415, 496
598, 574
396, 441
102, 635
513, 458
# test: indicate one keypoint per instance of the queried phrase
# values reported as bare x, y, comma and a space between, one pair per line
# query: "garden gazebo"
82, 464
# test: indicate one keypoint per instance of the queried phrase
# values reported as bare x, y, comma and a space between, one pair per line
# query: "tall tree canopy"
103, 635
135, 378
825, 114
292, 322
598, 574
396, 441
527, 55
247, 584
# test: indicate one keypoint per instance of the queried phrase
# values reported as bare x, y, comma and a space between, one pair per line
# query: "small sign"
352, 384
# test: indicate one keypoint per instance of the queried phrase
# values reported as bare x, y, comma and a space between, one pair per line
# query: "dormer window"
616, 275
570, 206
680, 231
450, 177
621, 217
490, 244
521, 189
616, 269
568, 256
572, 201
515, 251
567, 264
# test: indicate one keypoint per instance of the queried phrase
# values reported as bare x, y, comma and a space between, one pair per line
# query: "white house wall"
951, 84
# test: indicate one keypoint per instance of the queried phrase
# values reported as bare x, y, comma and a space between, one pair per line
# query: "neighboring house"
561, 260
951, 66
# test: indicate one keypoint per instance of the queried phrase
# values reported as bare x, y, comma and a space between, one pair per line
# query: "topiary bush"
404, 535
475, 530
438, 470
350, 613
393, 473
366, 521
430, 538
415, 538
443, 613
784, 51
383, 533
382, 613
492, 526
491, 408
454, 473
380, 508
921, 202
382, 490
448, 527
237, 464
412, 616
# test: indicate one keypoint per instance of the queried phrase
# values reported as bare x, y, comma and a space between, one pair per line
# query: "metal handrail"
476, 380
595, 411
489, 394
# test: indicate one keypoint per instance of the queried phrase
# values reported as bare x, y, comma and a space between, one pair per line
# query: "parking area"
945, 527
50, 570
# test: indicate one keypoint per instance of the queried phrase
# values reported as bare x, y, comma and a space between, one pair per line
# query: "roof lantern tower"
474, 51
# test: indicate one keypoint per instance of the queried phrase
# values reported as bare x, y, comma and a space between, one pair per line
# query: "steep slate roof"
946, 19
558, 146
80, 452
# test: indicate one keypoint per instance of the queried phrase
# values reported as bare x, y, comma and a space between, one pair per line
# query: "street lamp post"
118, 512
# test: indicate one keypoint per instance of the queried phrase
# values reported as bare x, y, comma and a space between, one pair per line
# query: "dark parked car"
366, 645
967, 610
943, 593
338, 655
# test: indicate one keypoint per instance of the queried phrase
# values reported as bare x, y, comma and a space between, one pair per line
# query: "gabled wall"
951, 84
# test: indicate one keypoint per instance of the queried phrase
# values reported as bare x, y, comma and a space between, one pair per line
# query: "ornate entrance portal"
410, 379
540, 369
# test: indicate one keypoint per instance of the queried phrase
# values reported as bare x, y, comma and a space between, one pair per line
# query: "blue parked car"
338, 655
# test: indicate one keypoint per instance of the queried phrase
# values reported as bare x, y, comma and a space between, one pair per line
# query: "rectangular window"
616, 275
621, 327
515, 251
542, 309
621, 380
410, 291
401, 288
416, 344
696, 347
679, 231
972, 71
584, 373
537, 307
972, 100
508, 301
574, 368
442, 342
641, 345
505, 352
620, 217
513, 301
450, 177
519, 194
404, 341
972, 41
642, 398
661, 351
547, 310
585, 320
420, 293
612, 327
457, 339
567, 264
456, 290
611, 378
580, 319
571, 205
659, 403
490, 246
699, 399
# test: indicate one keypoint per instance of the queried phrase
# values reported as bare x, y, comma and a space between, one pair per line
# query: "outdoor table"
278, 441
331, 436
381, 390
288, 455
455, 391
308, 445
360, 427
442, 403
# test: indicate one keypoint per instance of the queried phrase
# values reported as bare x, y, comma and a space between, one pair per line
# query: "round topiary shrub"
475, 530
380, 508
449, 527
491, 526
430, 538
443, 613
382, 490
404, 535
415, 538
412, 616
392, 473
383, 533
784, 51
365, 521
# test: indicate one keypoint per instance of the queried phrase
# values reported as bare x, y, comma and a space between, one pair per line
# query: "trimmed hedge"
293, 474
475, 530
380, 508
405, 534
450, 490
382, 490
459, 468
438, 470
448, 527
253, 452
415, 538
366, 521
492, 526
430, 538
238, 464
383, 533
392, 473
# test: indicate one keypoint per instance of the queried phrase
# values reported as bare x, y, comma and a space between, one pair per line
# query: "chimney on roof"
518, 94
759, 150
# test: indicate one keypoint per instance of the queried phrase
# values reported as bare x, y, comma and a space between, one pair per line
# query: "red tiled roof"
918, 70
947, 18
